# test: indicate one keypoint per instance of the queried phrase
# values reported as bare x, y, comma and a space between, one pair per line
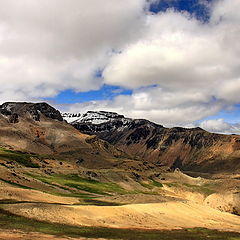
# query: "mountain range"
40, 128
190, 149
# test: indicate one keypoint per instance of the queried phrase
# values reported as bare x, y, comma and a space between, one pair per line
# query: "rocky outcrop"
13, 118
226, 202
14, 110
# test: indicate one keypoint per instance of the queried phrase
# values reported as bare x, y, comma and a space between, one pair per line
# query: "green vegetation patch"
79, 183
172, 184
147, 185
205, 188
23, 158
151, 184
12, 221
156, 183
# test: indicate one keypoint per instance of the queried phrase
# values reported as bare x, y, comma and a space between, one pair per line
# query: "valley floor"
59, 218
66, 203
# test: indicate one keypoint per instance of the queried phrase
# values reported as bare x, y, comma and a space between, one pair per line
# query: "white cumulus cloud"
220, 126
180, 69
49, 46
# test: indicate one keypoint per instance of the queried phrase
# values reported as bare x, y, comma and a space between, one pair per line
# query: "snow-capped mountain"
92, 117
95, 122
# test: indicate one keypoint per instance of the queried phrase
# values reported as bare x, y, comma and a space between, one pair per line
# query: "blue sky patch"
106, 92
230, 116
194, 7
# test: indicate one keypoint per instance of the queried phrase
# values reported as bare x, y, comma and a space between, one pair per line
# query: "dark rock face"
13, 118
5, 112
46, 110
14, 110
114, 129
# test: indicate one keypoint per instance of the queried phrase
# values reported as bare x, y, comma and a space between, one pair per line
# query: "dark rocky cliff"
14, 110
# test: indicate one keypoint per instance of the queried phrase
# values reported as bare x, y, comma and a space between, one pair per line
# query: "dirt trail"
168, 215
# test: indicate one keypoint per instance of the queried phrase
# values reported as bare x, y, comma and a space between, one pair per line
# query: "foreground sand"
162, 216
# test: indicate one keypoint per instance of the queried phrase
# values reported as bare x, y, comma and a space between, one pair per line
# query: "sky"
174, 62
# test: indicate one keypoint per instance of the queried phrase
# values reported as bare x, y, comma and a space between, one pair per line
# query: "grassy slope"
74, 181
205, 189
22, 158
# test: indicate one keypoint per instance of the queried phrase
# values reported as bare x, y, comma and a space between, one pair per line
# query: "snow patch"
93, 117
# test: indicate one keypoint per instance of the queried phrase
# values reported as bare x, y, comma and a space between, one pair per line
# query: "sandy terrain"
168, 215
227, 202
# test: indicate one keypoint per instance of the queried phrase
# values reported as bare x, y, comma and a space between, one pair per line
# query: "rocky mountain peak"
13, 110
98, 117
111, 124
92, 117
